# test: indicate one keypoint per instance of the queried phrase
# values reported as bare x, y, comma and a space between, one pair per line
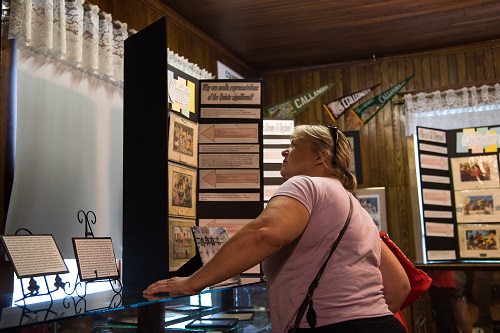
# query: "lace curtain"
466, 107
80, 36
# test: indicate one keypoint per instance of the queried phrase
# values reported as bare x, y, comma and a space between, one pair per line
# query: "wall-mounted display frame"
373, 200
183, 138
355, 165
182, 189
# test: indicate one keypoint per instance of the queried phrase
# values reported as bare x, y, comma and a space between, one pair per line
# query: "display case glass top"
246, 302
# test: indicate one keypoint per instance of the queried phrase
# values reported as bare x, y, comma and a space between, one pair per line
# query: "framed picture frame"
475, 172
182, 190
355, 165
181, 245
183, 140
479, 241
372, 199
477, 206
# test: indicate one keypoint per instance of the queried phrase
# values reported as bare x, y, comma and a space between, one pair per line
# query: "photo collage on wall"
460, 189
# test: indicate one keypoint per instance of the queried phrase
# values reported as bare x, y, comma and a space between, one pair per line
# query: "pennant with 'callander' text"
369, 109
338, 106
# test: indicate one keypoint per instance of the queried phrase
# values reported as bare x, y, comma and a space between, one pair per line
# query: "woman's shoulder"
312, 183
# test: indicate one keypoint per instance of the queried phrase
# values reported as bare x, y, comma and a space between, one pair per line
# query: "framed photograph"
95, 258
475, 172
183, 140
355, 166
479, 241
182, 190
372, 199
181, 244
477, 206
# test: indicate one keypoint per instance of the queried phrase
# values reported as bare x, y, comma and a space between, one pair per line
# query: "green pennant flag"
295, 105
369, 109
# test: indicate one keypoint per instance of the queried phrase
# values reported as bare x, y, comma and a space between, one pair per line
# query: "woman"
293, 236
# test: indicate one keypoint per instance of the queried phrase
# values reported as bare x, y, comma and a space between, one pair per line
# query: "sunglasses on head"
335, 136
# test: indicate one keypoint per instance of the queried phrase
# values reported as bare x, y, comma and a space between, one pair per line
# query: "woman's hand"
173, 286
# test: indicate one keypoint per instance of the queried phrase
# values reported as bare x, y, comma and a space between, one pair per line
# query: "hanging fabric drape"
66, 31
81, 36
466, 107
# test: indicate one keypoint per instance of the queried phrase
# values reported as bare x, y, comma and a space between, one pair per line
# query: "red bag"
419, 280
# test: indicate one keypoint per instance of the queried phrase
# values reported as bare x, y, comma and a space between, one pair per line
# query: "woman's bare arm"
395, 280
283, 221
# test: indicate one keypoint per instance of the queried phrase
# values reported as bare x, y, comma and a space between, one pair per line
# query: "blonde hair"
338, 165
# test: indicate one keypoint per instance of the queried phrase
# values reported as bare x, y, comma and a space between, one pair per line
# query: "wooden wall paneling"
388, 164
434, 72
469, 67
462, 73
443, 71
343, 76
314, 112
452, 69
489, 72
426, 73
479, 65
409, 71
418, 79
496, 63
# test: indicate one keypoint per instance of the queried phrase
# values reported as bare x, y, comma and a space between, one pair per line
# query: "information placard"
95, 258
34, 255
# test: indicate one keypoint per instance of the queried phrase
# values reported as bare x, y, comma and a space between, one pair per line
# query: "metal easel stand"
33, 288
116, 285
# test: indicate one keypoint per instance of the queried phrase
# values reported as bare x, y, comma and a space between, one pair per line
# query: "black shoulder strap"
311, 314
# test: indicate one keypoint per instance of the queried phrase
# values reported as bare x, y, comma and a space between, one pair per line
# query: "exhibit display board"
460, 193
192, 157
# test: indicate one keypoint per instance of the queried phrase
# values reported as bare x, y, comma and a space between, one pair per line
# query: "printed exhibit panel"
436, 195
276, 139
230, 154
460, 192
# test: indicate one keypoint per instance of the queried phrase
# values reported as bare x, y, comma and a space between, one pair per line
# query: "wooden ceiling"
275, 35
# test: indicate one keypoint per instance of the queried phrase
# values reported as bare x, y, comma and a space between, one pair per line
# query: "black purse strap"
308, 302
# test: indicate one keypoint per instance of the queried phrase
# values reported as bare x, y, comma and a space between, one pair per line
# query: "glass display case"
462, 298
237, 308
